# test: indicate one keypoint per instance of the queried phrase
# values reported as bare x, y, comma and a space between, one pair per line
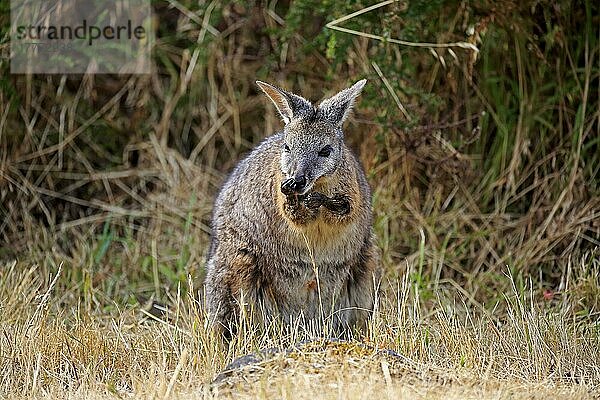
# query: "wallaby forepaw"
314, 200
338, 204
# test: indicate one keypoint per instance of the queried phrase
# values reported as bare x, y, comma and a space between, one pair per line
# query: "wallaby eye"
325, 151
286, 148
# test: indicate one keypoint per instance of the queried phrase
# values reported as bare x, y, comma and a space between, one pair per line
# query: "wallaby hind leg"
231, 276
220, 304
362, 292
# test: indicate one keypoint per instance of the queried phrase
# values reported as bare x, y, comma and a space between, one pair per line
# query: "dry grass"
53, 345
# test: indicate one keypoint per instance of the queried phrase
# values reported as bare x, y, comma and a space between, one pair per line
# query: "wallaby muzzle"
293, 185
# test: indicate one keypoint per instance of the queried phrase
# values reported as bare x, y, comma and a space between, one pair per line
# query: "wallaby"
292, 229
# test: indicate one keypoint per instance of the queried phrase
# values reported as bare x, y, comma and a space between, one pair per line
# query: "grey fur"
267, 246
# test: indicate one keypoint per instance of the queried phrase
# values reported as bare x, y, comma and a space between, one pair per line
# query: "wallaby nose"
293, 185
299, 182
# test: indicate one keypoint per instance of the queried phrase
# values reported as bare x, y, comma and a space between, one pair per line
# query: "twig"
316, 272
180, 364
391, 90
333, 25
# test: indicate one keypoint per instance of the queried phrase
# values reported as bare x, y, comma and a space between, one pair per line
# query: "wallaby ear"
336, 108
288, 104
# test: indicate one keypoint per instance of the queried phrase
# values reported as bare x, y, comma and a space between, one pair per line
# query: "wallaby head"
313, 136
